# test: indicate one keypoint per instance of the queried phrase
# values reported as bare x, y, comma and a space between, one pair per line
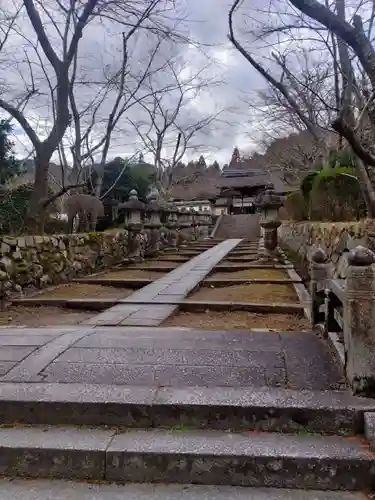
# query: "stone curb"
185, 457
248, 409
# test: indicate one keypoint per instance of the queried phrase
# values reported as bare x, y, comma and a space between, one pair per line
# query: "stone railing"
342, 287
34, 262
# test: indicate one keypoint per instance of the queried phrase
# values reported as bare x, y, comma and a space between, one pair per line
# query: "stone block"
21, 242
54, 452
38, 240
29, 241
4, 248
10, 241
281, 461
6, 264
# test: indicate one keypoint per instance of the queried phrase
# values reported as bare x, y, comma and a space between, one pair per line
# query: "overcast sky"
207, 23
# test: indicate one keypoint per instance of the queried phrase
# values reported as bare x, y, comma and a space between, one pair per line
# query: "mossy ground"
260, 293
237, 320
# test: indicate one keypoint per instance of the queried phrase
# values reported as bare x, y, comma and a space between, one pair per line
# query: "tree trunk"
37, 213
366, 187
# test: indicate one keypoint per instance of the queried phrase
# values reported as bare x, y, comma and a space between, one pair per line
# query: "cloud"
100, 52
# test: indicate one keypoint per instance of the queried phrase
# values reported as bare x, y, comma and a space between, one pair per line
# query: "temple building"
234, 189
240, 183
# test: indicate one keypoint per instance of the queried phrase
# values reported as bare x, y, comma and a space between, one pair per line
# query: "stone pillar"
269, 203
172, 227
359, 322
320, 271
184, 225
153, 224
134, 209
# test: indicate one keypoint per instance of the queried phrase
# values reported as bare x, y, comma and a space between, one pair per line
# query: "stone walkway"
121, 398
124, 346
176, 357
149, 306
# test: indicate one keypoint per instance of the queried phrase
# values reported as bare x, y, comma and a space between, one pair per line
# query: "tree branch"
346, 131
277, 84
20, 117
59, 193
41, 34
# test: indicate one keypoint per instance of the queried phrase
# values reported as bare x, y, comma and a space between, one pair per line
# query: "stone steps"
220, 408
63, 490
238, 226
182, 456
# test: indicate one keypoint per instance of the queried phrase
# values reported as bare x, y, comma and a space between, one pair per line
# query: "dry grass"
128, 274
159, 263
260, 293
173, 258
86, 291
251, 274
42, 316
236, 262
237, 320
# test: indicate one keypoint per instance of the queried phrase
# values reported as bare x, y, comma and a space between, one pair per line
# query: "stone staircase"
251, 443
156, 413
238, 226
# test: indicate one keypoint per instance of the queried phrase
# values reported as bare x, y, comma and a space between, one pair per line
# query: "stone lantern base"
269, 250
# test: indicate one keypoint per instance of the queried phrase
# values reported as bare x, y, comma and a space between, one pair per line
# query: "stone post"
172, 227
320, 271
199, 225
153, 224
134, 209
189, 228
269, 203
184, 224
204, 224
359, 322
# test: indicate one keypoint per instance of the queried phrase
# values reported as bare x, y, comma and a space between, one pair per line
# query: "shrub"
335, 195
295, 206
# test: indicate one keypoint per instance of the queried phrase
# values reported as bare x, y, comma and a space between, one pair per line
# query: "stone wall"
34, 262
335, 238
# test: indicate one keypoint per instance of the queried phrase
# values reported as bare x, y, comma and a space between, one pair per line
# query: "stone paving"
169, 357
121, 398
64, 490
149, 306
124, 345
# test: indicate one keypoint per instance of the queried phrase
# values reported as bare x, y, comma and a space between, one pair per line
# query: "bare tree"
169, 129
56, 71
76, 17
122, 88
345, 44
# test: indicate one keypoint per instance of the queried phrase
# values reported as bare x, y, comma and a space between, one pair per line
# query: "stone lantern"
154, 223
269, 203
134, 209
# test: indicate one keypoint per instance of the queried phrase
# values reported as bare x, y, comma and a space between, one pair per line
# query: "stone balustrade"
348, 304
341, 262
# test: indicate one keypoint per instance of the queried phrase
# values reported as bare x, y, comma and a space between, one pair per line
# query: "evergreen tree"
202, 162
9, 167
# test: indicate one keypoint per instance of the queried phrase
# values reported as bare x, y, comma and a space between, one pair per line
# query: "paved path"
170, 357
149, 306
62, 490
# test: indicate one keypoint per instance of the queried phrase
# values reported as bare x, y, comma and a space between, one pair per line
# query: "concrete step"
250, 409
30, 489
188, 457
